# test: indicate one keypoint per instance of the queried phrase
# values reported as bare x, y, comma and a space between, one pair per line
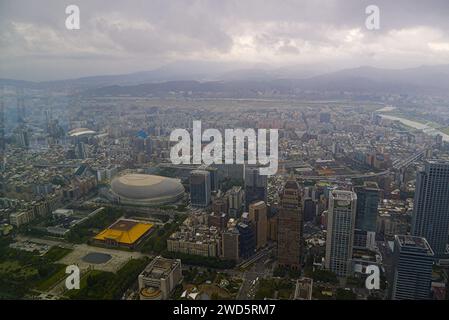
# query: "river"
417, 125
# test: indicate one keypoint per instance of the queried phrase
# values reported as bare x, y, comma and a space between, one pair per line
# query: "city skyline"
249, 155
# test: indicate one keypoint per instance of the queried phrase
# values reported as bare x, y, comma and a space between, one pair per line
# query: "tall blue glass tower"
431, 205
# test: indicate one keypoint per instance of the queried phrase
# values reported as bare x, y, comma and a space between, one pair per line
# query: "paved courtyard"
117, 258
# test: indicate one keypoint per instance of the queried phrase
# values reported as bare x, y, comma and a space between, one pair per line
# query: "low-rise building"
159, 278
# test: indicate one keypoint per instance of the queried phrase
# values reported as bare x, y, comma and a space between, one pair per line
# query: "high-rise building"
230, 246
431, 205
309, 209
255, 186
290, 226
340, 231
213, 176
200, 188
368, 196
23, 137
247, 239
235, 196
413, 259
272, 224
258, 215
80, 150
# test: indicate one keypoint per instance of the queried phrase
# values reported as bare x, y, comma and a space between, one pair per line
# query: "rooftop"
343, 195
124, 231
414, 242
159, 268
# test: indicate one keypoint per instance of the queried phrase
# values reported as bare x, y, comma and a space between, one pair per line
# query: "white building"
340, 231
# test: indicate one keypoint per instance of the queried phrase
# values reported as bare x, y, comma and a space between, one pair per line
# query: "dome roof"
144, 187
80, 132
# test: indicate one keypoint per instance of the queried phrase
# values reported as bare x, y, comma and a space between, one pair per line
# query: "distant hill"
216, 80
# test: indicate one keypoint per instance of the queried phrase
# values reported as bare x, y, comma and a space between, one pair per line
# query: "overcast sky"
128, 36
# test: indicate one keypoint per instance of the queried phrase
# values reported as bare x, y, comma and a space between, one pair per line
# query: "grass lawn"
268, 288
14, 269
83, 282
56, 277
57, 253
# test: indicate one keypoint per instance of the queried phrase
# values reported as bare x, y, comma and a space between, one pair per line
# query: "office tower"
309, 209
48, 119
230, 171
255, 186
213, 171
235, 196
431, 205
368, 197
213, 177
290, 225
272, 224
258, 216
413, 259
247, 239
200, 188
23, 137
230, 244
80, 150
340, 231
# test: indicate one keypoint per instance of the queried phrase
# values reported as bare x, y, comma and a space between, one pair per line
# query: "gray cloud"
119, 36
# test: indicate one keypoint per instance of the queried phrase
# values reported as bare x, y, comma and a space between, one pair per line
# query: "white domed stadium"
145, 189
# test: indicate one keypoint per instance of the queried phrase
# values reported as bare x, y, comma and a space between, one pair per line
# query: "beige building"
230, 244
200, 248
21, 218
290, 227
159, 279
200, 240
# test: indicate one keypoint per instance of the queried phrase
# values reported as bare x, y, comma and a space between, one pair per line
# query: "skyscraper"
255, 186
413, 259
367, 203
247, 239
290, 226
235, 196
340, 231
230, 246
258, 215
200, 188
431, 205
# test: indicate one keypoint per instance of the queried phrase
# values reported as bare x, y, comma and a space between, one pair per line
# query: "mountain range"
223, 80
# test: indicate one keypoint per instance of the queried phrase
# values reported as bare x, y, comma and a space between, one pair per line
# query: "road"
260, 269
387, 261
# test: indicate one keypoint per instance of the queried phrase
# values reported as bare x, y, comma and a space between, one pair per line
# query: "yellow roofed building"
124, 233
